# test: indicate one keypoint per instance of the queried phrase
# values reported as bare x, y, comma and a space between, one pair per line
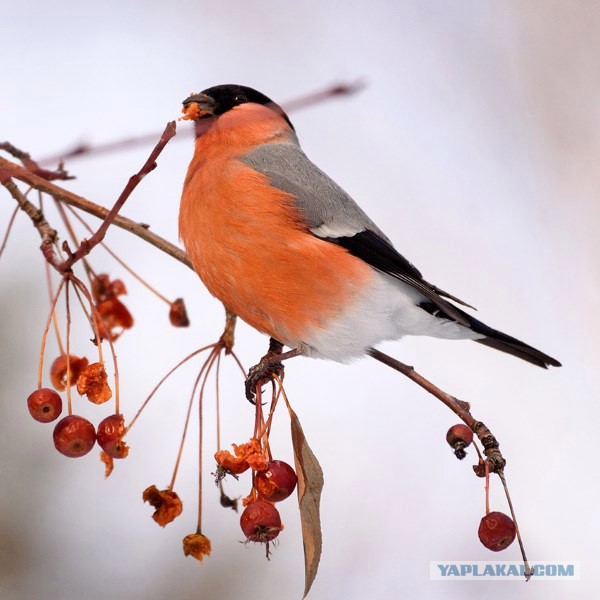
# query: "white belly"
387, 310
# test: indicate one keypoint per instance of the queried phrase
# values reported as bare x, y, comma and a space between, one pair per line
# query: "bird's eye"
240, 98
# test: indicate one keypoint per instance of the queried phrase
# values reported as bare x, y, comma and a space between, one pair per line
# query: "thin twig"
491, 448
32, 165
8, 229
119, 260
157, 386
46, 232
330, 92
87, 245
528, 570
9, 170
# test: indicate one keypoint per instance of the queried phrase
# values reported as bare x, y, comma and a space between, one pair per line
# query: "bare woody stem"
329, 92
87, 245
46, 232
10, 170
491, 448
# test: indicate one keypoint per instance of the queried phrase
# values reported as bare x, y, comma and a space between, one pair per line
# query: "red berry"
110, 436
497, 531
260, 521
44, 405
459, 437
277, 482
74, 436
459, 433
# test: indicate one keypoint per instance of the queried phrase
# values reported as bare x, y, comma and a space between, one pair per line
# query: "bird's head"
220, 99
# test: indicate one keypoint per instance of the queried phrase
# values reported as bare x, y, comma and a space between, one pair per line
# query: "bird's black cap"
228, 96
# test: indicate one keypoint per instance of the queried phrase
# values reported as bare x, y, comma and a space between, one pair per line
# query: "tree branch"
46, 232
10, 170
491, 448
330, 92
86, 246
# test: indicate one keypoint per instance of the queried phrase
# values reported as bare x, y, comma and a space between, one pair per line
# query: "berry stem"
119, 260
200, 439
478, 451
90, 318
87, 245
68, 309
218, 401
8, 229
204, 371
157, 386
487, 488
61, 348
491, 448
215, 357
258, 417
528, 570
65, 219
274, 398
96, 325
51, 315
239, 363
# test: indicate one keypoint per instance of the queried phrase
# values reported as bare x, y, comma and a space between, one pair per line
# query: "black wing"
381, 255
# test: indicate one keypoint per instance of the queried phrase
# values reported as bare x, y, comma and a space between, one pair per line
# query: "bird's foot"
269, 367
266, 370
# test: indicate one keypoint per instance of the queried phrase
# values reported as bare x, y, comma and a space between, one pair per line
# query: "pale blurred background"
475, 146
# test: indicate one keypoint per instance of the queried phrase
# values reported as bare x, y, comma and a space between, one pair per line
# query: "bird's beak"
197, 106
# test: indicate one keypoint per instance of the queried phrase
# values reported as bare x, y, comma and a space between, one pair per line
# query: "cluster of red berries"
272, 481
497, 531
75, 436
260, 520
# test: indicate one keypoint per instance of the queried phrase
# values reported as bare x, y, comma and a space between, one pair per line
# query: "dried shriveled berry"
497, 531
167, 504
191, 112
178, 314
44, 405
246, 456
74, 436
277, 482
109, 463
103, 288
459, 437
260, 521
58, 370
93, 382
196, 545
110, 436
115, 318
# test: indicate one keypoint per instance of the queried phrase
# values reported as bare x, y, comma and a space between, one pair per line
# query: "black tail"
510, 345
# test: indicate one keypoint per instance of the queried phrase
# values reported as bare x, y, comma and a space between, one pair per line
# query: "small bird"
285, 248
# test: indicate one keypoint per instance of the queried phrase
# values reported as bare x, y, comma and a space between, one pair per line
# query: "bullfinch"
285, 248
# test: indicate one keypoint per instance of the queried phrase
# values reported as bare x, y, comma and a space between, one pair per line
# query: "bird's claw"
262, 373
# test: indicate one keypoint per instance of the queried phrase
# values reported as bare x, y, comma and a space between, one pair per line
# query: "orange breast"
248, 244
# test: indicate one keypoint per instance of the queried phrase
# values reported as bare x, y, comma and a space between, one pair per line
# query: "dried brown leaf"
310, 486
